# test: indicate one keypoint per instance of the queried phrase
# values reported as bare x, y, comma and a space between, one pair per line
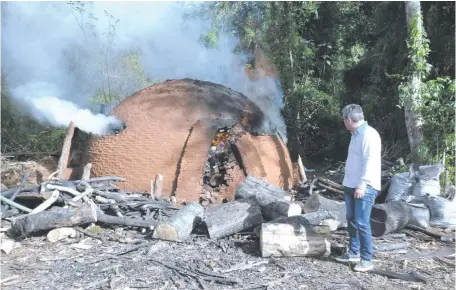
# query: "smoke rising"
57, 56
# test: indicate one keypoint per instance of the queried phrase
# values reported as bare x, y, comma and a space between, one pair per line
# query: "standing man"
361, 184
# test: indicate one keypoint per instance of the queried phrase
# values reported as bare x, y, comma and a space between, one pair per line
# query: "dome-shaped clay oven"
170, 128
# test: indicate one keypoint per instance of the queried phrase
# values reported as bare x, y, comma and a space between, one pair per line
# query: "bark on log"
272, 207
317, 202
229, 218
251, 183
318, 218
56, 217
123, 221
63, 161
293, 236
181, 224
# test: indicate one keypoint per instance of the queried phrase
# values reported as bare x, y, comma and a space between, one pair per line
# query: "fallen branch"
11, 191
47, 203
330, 188
424, 231
190, 273
331, 183
412, 276
24, 179
445, 252
66, 189
14, 204
391, 247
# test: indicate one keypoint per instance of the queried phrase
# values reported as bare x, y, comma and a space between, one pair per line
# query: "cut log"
86, 172
317, 202
123, 221
229, 218
181, 224
251, 183
63, 161
56, 217
389, 217
272, 206
293, 236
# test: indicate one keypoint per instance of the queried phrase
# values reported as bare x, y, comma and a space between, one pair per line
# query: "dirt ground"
35, 263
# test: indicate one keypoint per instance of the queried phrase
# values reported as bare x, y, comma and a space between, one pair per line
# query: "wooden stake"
86, 172
63, 161
302, 172
158, 185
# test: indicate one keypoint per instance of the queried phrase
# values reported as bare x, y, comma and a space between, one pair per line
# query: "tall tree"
413, 118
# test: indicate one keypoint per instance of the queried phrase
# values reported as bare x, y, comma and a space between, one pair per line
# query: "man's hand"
359, 193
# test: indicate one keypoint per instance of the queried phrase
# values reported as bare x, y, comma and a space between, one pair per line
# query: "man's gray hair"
354, 112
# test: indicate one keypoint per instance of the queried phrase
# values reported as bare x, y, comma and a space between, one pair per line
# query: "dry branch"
331, 183
14, 204
413, 276
330, 188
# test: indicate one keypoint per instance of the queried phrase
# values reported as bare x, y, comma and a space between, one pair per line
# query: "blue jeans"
358, 219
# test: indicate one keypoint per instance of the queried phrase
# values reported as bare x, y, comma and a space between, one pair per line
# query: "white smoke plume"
56, 56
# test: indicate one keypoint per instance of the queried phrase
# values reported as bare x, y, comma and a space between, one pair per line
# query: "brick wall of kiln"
266, 157
191, 169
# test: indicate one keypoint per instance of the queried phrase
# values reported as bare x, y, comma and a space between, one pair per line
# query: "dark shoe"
348, 257
364, 266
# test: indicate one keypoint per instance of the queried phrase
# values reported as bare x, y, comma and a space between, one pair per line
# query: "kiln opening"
223, 169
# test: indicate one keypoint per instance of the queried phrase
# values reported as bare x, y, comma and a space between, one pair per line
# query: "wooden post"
158, 186
302, 172
63, 161
86, 172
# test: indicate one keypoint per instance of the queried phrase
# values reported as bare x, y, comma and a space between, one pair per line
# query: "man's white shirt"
363, 166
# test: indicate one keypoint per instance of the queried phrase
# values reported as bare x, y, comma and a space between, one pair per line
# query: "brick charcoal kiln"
202, 138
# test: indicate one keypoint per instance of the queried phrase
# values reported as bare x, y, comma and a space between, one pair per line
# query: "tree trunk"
229, 218
294, 236
413, 118
181, 224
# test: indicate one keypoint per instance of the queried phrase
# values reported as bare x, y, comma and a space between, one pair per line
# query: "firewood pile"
56, 203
